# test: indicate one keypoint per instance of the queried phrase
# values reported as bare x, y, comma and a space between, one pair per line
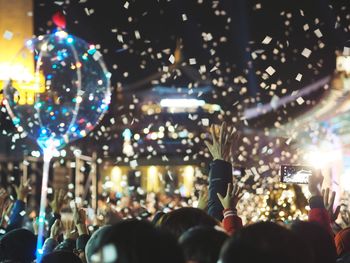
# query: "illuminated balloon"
64, 95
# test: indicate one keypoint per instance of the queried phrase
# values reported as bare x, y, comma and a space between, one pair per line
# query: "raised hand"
221, 148
59, 199
329, 204
203, 198
5, 212
23, 189
56, 229
79, 218
69, 230
233, 195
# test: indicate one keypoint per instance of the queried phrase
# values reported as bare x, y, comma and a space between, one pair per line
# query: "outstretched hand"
23, 189
56, 229
69, 230
233, 195
59, 199
221, 147
203, 198
329, 204
79, 218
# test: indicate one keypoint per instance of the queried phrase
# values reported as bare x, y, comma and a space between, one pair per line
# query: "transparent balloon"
59, 89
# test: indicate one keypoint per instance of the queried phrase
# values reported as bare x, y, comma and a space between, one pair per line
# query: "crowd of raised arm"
209, 233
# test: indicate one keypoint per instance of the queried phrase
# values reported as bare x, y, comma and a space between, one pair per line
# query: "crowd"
210, 233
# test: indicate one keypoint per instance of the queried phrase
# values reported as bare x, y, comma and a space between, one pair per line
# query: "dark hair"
61, 257
320, 242
137, 241
202, 244
180, 220
18, 245
264, 242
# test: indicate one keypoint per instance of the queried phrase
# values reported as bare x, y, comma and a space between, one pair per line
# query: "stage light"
181, 103
320, 158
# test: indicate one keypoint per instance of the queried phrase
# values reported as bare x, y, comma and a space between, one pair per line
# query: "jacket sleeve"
81, 242
220, 175
231, 222
66, 245
49, 245
319, 214
16, 218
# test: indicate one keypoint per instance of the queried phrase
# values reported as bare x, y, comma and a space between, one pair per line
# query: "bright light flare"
181, 103
321, 158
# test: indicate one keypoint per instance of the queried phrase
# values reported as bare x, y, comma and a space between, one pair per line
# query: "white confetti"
300, 100
126, 5
306, 52
298, 77
184, 17
137, 35
172, 59
318, 33
205, 122
270, 70
192, 61
267, 40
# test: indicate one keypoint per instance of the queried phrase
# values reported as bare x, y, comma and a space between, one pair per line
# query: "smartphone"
296, 174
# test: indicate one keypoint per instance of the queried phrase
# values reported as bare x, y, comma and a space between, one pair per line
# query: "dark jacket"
220, 175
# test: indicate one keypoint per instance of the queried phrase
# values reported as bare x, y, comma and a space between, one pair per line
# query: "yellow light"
188, 177
116, 178
153, 184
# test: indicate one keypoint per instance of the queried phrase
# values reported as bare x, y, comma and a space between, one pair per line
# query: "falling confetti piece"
192, 61
205, 122
306, 52
267, 40
300, 100
298, 77
172, 59
270, 70
318, 33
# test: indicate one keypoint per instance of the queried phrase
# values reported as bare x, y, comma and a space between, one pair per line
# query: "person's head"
61, 257
320, 242
202, 244
180, 220
134, 241
18, 245
342, 241
94, 241
264, 242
